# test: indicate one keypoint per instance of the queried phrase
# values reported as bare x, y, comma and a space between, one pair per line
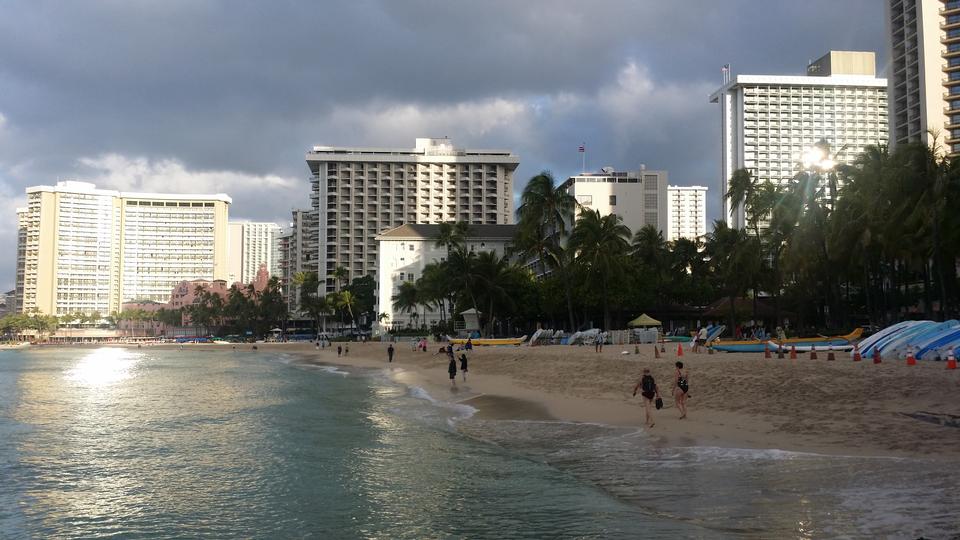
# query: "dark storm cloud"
229, 95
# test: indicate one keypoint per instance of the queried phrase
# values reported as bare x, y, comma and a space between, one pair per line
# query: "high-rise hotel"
357, 193
253, 243
768, 122
87, 250
925, 72
686, 212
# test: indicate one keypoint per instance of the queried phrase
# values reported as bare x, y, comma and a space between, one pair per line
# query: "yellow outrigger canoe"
489, 341
755, 345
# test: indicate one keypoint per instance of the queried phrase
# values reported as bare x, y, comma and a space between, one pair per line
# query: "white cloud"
406, 121
636, 103
115, 171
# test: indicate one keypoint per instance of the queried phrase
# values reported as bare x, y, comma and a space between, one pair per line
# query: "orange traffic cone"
911, 361
793, 352
679, 350
656, 351
856, 353
813, 352
830, 356
951, 360
876, 355
766, 351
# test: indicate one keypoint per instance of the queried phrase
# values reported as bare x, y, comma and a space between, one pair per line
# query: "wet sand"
737, 400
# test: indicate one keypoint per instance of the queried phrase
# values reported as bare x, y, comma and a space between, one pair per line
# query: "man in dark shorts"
452, 370
648, 390
463, 366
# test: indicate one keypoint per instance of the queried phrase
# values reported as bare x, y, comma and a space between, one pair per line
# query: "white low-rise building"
638, 197
403, 253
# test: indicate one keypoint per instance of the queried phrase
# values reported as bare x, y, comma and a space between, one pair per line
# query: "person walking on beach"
346, 349
702, 338
681, 389
452, 370
648, 390
463, 366
598, 344
390, 353
339, 350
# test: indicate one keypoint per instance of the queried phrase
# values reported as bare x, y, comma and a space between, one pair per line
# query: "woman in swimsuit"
680, 389
648, 389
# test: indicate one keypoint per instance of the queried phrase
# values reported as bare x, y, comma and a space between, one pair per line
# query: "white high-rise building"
88, 250
686, 212
770, 121
924, 72
298, 253
252, 244
638, 197
360, 192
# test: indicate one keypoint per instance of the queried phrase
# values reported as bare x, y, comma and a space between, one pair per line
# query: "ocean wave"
462, 411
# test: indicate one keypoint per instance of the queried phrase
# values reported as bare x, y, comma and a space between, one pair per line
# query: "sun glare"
104, 366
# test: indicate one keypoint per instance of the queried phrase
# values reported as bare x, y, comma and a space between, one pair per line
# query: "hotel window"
613, 200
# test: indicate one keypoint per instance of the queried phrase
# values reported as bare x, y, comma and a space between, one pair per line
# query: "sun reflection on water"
104, 366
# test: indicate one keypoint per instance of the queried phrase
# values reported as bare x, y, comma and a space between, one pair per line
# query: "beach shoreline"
737, 400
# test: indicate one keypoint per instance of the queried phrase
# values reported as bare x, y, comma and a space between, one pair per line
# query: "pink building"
183, 295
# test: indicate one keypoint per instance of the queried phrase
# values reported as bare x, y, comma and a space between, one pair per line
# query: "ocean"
201, 443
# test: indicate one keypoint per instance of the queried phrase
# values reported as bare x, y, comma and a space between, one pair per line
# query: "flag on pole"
725, 68
582, 148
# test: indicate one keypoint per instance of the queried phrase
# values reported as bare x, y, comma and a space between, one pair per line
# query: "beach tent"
644, 320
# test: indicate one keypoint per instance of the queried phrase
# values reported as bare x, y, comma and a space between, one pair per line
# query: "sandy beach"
737, 400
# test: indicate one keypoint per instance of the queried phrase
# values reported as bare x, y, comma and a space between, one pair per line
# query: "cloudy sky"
227, 96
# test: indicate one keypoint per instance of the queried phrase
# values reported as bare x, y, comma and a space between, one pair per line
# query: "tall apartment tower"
23, 217
686, 212
298, 253
638, 197
358, 193
924, 71
252, 244
88, 250
768, 122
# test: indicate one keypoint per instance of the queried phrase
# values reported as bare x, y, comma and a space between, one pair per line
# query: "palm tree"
452, 235
652, 251
730, 261
346, 300
545, 213
461, 266
492, 273
407, 298
340, 275
601, 243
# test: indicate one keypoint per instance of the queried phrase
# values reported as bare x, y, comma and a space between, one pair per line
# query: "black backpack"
648, 385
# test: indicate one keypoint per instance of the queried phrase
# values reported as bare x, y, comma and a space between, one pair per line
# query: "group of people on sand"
451, 366
650, 392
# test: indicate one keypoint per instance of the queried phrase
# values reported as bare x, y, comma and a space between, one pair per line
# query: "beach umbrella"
644, 320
